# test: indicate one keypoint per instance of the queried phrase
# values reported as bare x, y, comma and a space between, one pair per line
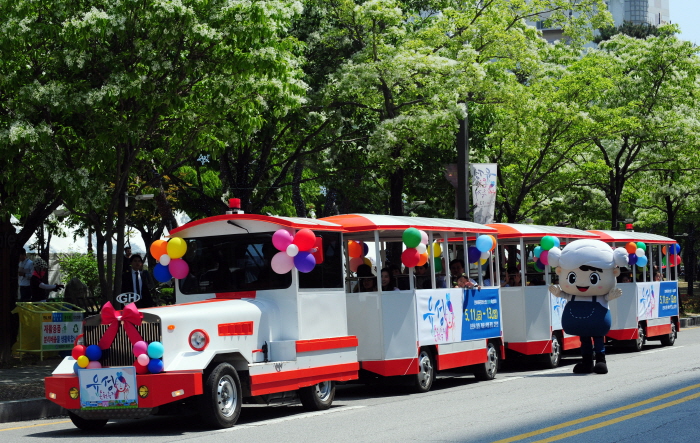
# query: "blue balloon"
633, 259
642, 261
557, 242
473, 254
162, 273
365, 249
155, 349
304, 261
675, 248
538, 251
155, 366
484, 243
93, 353
76, 368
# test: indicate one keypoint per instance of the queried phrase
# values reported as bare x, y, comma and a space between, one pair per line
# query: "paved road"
647, 397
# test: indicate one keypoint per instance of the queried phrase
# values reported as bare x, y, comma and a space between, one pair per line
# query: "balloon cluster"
416, 252
168, 254
86, 357
295, 251
482, 251
148, 357
358, 254
637, 253
672, 258
547, 253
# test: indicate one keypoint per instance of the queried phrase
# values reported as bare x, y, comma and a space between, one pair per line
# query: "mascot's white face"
587, 280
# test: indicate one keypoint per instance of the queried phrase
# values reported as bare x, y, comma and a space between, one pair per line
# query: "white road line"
290, 418
503, 380
667, 348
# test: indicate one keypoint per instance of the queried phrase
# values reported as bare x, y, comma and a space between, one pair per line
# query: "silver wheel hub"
556, 350
425, 369
226, 396
323, 390
491, 361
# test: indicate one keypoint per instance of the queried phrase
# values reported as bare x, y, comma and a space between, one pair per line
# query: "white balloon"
640, 252
421, 248
292, 250
485, 255
164, 260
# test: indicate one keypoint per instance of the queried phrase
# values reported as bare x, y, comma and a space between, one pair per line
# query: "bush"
82, 266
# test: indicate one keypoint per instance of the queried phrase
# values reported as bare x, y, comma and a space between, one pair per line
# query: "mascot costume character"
588, 271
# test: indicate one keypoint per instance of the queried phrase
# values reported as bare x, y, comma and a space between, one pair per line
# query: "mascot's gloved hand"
613, 294
555, 290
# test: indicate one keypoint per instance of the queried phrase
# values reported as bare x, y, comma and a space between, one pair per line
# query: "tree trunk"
9, 260
297, 198
396, 202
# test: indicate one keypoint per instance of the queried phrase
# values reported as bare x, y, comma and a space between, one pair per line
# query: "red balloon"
410, 257
305, 239
140, 369
77, 351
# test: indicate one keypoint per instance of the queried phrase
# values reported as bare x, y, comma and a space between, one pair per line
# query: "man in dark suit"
136, 281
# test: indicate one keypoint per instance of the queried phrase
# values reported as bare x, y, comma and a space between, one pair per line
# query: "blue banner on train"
668, 299
481, 314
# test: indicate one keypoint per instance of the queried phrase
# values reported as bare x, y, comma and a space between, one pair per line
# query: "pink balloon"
143, 359
305, 239
544, 257
94, 365
424, 237
281, 239
282, 263
140, 347
355, 262
179, 268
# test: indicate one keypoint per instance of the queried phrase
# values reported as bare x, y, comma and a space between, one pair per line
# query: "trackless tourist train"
277, 309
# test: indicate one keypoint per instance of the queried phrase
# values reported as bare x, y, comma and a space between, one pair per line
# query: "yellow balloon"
367, 261
483, 260
83, 361
437, 250
176, 247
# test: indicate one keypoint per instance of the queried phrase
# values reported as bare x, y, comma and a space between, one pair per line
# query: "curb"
689, 321
30, 409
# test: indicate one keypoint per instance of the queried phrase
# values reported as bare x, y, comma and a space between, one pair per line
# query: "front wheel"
220, 404
488, 370
318, 397
423, 381
670, 339
638, 343
85, 424
553, 359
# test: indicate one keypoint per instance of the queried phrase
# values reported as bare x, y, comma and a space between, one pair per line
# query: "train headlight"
199, 340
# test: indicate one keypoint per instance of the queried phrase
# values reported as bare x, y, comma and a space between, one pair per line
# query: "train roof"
514, 230
628, 236
248, 220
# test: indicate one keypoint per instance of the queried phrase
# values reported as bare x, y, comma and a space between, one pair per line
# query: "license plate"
108, 388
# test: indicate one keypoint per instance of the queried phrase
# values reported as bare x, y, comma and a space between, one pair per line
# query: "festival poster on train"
668, 298
438, 314
648, 300
481, 315
108, 388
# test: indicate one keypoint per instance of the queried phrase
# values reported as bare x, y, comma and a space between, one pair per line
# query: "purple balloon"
539, 264
304, 261
162, 273
178, 268
473, 254
365, 249
281, 239
633, 259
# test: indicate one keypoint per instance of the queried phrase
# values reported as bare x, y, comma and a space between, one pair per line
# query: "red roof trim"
256, 217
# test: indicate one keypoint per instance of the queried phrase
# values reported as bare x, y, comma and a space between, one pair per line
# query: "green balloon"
641, 245
663, 261
438, 264
547, 242
411, 237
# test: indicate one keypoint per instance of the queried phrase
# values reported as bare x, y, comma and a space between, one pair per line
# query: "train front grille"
120, 352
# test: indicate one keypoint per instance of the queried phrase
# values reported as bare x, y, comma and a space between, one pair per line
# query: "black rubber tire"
85, 424
487, 371
220, 404
552, 360
670, 339
318, 397
638, 343
423, 381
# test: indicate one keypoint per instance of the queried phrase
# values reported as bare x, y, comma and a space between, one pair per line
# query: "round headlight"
199, 340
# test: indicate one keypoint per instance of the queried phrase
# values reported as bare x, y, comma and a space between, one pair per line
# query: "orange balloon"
663, 250
158, 248
354, 249
631, 247
494, 242
423, 259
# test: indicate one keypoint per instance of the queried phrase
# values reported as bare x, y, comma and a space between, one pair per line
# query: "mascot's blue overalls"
588, 271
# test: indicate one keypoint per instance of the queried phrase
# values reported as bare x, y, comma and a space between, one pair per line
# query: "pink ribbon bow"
130, 318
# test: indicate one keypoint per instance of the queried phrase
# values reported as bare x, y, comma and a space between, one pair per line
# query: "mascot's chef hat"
593, 253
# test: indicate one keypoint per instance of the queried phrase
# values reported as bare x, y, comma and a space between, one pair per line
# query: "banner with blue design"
481, 314
668, 299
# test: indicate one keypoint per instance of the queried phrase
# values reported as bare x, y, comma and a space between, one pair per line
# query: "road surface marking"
601, 415
293, 417
618, 419
668, 348
38, 424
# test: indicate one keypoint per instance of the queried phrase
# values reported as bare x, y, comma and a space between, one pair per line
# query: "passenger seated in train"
423, 280
388, 281
366, 280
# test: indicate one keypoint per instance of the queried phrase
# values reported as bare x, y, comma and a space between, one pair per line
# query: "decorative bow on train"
130, 318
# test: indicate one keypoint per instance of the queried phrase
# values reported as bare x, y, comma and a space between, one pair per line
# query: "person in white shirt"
26, 266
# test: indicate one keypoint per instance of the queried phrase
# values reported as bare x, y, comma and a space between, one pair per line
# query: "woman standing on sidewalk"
38, 285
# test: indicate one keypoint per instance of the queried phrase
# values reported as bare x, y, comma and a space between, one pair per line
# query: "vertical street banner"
483, 177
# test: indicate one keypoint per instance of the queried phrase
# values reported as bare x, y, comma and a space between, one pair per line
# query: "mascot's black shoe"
600, 366
586, 365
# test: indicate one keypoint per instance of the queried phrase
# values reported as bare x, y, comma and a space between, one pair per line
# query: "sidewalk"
23, 381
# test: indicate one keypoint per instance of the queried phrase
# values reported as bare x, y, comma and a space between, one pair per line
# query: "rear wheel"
85, 424
488, 370
317, 397
638, 343
220, 404
553, 359
670, 339
423, 381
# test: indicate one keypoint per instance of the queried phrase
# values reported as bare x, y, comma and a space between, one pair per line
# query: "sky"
686, 14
